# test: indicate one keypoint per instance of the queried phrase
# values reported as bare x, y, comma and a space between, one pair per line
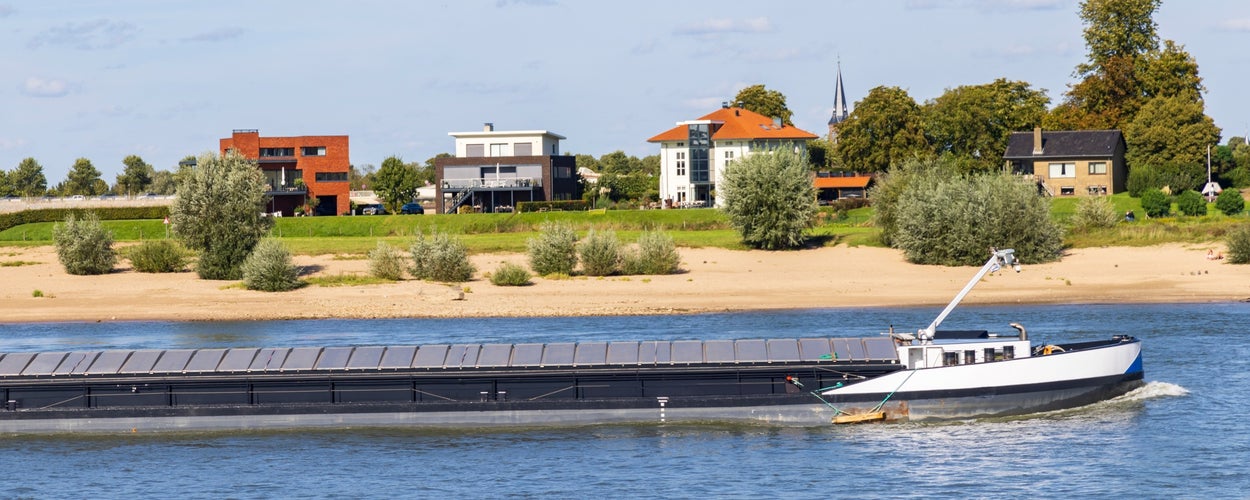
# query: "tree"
1169, 72
218, 213
1155, 203
617, 162
819, 154
83, 245
770, 199
396, 183
588, 162
1169, 130
135, 177
428, 173
6, 188
360, 178
1230, 202
885, 128
1190, 203
163, 182
27, 179
81, 179
770, 103
973, 122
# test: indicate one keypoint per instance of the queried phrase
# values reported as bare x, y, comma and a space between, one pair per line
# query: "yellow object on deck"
860, 418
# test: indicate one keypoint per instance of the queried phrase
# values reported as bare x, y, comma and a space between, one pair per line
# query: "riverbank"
713, 280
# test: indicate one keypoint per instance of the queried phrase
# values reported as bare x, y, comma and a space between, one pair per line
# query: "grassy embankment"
486, 233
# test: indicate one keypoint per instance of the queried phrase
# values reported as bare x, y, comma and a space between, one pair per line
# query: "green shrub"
656, 254
1238, 240
545, 206
509, 274
269, 268
554, 251
14, 219
158, 256
83, 246
769, 199
1094, 212
386, 262
1155, 203
1230, 202
218, 213
440, 258
600, 253
1191, 203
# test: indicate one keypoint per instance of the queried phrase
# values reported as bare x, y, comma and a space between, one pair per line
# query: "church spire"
839, 100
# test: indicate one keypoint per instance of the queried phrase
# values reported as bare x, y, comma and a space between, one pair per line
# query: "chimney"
724, 104
1037, 140
488, 127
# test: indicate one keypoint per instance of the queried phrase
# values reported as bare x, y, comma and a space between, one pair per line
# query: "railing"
518, 182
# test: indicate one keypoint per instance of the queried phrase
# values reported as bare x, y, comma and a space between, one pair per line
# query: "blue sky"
103, 80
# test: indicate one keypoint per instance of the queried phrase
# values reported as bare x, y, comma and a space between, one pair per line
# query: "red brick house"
298, 169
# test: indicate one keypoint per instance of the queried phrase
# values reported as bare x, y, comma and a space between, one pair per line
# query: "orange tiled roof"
738, 123
859, 181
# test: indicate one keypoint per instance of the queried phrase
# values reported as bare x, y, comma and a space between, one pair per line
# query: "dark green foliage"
548, 206
554, 251
1095, 212
269, 268
954, 221
656, 254
386, 262
1191, 203
440, 258
510, 274
769, 198
218, 213
14, 219
158, 256
1238, 240
83, 246
396, 183
1155, 203
1230, 202
1174, 176
600, 253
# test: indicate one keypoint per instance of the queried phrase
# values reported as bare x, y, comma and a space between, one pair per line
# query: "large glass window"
500, 150
271, 152
313, 151
699, 144
331, 176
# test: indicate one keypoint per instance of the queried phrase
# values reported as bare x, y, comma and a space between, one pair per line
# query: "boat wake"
1152, 390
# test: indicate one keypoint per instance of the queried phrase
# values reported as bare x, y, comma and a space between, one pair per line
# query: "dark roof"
1065, 144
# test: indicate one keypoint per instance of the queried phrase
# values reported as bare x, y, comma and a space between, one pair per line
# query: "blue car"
412, 208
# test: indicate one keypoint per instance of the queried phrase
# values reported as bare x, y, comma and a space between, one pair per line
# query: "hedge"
14, 219
546, 206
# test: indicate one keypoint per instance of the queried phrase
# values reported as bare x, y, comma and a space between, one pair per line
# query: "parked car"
412, 208
377, 209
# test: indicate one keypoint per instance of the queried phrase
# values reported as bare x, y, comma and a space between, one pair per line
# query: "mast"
998, 260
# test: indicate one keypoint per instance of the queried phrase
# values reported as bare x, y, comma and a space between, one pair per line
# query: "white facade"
491, 143
676, 183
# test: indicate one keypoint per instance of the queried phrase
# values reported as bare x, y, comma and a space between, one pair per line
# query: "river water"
1182, 435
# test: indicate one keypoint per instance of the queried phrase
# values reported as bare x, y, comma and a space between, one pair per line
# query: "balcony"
488, 184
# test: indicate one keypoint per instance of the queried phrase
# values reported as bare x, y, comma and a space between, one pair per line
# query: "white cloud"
7, 144
1241, 24
720, 26
217, 35
39, 87
90, 35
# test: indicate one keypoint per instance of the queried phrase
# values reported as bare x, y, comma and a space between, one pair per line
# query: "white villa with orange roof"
694, 153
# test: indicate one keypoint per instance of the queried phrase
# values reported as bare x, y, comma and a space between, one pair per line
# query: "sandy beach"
711, 280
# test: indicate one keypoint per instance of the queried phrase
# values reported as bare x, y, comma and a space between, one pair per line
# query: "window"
729, 155
331, 176
474, 150
271, 152
1097, 168
563, 172
500, 150
1062, 170
313, 151
1067, 191
523, 149
681, 167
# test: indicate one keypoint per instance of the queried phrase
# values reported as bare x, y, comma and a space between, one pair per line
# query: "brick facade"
320, 162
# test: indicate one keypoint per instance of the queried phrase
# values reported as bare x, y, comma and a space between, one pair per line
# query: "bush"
1230, 202
656, 254
1155, 203
83, 246
544, 206
509, 274
14, 219
770, 199
600, 253
1095, 212
958, 219
158, 256
910, 175
218, 213
554, 251
1191, 203
386, 262
440, 258
269, 268
1176, 177
1238, 241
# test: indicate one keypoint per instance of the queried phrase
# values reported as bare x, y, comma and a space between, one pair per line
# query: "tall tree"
6, 187
589, 162
617, 162
973, 122
1170, 71
81, 179
886, 127
218, 213
135, 177
770, 103
28, 179
360, 178
1170, 130
163, 182
396, 183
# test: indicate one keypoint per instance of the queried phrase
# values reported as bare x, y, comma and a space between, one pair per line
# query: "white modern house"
494, 170
694, 153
